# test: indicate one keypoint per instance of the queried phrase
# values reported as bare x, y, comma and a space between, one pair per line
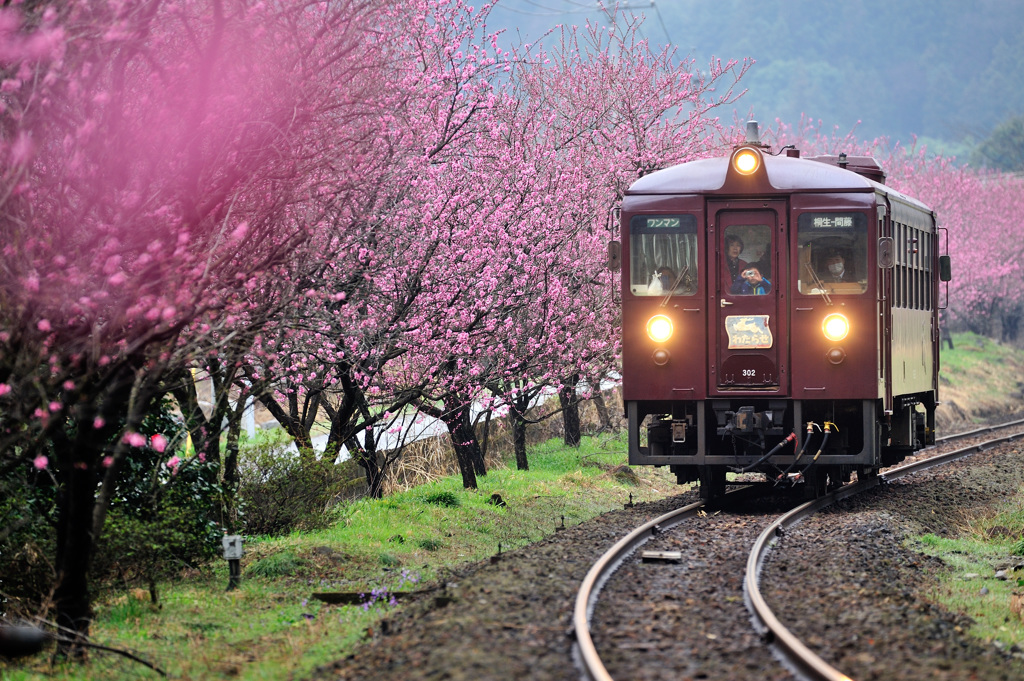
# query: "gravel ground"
863, 609
842, 581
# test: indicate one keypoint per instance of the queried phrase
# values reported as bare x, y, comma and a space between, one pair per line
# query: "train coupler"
746, 421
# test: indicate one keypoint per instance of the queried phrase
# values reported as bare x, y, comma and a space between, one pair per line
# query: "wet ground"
843, 581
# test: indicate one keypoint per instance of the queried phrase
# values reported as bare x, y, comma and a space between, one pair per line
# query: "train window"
833, 253
663, 255
747, 260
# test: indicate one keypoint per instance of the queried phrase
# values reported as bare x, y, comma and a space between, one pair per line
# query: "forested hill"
948, 70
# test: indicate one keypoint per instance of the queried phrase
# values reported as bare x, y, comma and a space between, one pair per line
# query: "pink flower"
136, 439
44, 325
98, 422
41, 462
173, 463
4, 388
108, 461
54, 406
159, 442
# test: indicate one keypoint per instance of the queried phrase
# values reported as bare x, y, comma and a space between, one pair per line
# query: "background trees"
937, 69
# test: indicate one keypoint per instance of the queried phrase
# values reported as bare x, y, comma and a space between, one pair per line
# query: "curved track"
795, 654
792, 650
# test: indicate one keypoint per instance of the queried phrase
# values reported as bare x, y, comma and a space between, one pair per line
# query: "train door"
748, 346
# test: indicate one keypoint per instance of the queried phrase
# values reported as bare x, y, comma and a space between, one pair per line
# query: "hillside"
939, 69
981, 381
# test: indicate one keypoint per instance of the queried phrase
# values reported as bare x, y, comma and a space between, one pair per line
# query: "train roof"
780, 175
785, 174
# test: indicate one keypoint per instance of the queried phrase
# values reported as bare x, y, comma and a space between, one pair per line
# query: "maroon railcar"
779, 316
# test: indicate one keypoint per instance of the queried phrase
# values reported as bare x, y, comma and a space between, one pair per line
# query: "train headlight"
835, 327
659, 328
746, 161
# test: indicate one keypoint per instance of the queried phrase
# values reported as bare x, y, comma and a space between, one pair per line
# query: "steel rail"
793, 651
584, 652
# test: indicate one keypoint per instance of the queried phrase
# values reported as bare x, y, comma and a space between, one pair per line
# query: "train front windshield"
833, 253
663, 255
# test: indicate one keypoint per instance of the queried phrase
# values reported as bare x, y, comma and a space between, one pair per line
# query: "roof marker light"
746, 161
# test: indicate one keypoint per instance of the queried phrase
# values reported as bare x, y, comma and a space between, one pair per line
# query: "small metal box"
232, 546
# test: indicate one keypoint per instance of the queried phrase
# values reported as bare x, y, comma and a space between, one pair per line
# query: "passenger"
751, 283
661, 281
733, 264
667, 277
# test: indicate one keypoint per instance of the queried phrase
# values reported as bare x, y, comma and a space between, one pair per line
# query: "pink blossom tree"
480, 259
157, 156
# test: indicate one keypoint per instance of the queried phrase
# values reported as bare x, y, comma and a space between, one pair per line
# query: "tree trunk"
463, 437
519, 441
602, 410
464, 457
570, 412
487, 434
75, 544
460, 427
229, 468
366, 457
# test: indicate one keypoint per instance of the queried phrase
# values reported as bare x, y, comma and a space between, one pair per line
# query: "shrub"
281, 564
442, 499
429, 544
179, 528
279, 493
26, 538
160, 520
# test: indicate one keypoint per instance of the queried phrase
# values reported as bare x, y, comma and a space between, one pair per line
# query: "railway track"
795, 654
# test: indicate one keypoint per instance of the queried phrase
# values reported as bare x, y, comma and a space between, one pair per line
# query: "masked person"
836, 267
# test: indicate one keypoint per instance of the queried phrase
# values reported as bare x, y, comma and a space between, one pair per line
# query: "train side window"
832, 253
663, 255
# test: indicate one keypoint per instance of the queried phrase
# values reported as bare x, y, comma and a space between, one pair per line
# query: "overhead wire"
586, 8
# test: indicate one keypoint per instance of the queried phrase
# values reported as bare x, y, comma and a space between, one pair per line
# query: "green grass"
969, 585
969, 367
271, 627
982, 376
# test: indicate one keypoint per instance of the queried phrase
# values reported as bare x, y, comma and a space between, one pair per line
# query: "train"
780, 319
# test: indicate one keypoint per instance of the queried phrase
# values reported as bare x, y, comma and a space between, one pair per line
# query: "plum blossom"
159, 442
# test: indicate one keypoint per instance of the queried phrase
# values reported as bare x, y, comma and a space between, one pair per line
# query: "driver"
835, 265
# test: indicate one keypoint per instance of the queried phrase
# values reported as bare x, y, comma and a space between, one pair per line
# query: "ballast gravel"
843, 581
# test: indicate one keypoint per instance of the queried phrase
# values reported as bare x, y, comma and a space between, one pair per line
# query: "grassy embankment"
982, 382
273, 628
